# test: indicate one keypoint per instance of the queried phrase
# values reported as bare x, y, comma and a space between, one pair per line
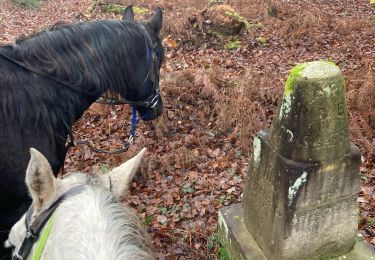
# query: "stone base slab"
240, 244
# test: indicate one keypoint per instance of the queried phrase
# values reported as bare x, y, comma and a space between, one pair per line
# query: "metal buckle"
29, 234
130, 140
17, 257
154, 101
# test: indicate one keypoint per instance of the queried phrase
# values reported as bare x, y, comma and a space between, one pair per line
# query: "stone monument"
300, 196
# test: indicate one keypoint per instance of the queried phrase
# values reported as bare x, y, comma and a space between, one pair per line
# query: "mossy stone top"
312, 122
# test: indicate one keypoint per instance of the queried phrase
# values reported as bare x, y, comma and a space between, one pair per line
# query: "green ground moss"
113, 8
262, 41
117, 9
140, 10
239, 18
26, 3
233, 45
215, 2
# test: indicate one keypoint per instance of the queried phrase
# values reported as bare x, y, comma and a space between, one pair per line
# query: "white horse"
89, 222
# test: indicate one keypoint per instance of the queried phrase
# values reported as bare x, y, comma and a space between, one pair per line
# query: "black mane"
72, 52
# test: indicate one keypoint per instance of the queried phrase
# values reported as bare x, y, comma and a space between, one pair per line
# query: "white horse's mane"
91, 225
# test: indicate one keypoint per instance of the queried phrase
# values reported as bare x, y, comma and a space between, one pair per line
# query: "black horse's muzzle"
153, 111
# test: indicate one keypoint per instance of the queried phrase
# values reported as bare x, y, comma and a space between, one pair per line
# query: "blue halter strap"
134, 110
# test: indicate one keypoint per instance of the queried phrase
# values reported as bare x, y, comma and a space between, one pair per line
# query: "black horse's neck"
89, 58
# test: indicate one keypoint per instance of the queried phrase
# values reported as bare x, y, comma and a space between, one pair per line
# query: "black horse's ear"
128, 13
156, 21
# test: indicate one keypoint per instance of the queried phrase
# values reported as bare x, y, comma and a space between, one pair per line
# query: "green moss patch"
235, 16
262, 41
293, 75
233, 45
26, 3
115, 8
215, 2
315, 69
140, 10
223, 254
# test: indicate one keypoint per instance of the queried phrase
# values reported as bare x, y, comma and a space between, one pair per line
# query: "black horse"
49, 79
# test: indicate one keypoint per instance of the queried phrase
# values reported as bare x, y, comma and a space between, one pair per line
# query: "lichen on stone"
320, 69
286, 106
223, 225
257, 151
292, 192
329, 90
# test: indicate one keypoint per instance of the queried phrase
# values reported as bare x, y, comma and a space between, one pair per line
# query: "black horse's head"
151, 103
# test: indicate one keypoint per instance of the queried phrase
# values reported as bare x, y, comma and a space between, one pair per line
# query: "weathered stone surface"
234, 236
291, 205
361, 251
312, 121
301, 189
241, 245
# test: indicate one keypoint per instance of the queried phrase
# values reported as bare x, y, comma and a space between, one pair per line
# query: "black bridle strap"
33, 230
148, 102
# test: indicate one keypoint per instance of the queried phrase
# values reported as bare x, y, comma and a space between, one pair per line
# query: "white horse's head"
45, 188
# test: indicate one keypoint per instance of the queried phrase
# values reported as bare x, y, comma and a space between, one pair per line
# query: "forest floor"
215, 101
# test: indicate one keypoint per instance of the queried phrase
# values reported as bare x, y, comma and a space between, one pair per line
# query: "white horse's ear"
40, 181
119, 179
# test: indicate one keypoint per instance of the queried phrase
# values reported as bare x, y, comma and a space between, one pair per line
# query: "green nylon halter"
43, 238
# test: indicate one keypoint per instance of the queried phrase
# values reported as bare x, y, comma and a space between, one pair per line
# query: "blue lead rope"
134, 121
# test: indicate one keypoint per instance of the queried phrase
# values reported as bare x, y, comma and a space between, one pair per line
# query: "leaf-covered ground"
215, 100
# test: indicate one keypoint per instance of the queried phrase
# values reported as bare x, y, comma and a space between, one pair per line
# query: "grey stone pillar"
300, 197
